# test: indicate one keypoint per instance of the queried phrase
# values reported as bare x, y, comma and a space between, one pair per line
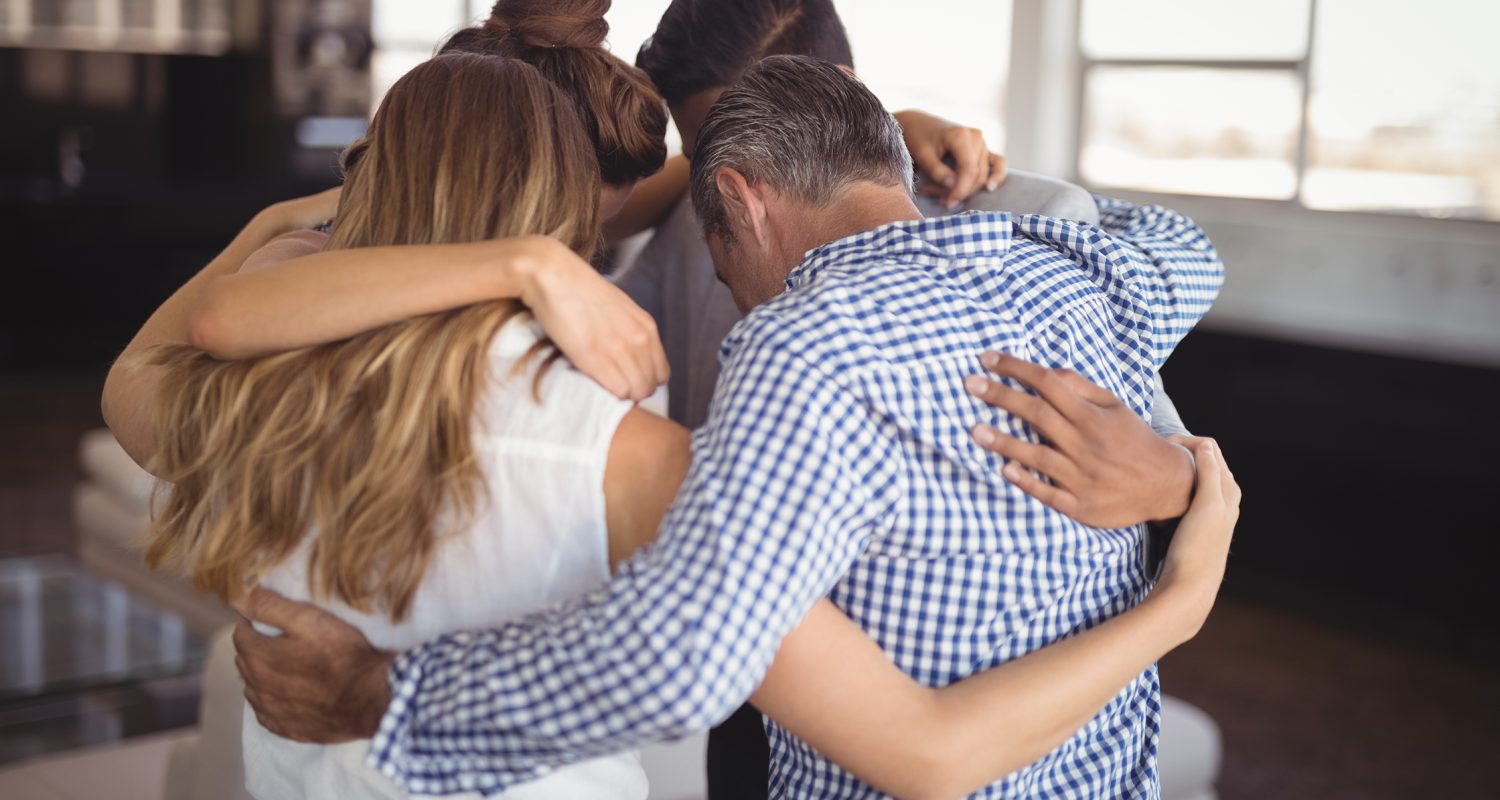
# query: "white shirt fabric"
538, 538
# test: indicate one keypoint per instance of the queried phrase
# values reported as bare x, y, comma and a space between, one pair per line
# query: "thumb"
930, 161
269, 608
1210, 489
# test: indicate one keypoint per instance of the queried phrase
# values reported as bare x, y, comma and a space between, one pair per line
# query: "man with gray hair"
837, 462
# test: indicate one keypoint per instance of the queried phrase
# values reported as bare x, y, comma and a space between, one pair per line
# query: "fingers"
1033, 410
610, 376
1048, 383
966, 147
648, 367
997, 172
267, 607
1232, 493
1210, 493
659, 355
1059, 468
1087, 389
929, 159
1053, 497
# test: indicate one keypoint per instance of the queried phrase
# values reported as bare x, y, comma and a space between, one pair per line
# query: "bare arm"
330, 296
650, 201
129, 388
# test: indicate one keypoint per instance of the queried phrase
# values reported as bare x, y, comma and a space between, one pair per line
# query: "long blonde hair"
369, 440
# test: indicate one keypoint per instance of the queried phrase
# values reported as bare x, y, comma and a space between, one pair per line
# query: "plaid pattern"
837, 462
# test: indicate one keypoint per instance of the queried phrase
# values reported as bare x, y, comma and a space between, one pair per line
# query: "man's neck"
859, 208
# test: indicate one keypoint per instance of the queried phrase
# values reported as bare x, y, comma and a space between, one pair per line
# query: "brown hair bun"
575, 24
624, 116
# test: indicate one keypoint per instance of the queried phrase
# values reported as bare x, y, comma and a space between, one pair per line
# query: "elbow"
936, 766
206, 329
935, 775
702, 701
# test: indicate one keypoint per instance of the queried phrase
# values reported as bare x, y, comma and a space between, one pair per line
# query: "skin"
323, 682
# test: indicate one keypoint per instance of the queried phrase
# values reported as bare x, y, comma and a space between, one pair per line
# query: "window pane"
1405, 108
950, 60
1192, 130
1195, 29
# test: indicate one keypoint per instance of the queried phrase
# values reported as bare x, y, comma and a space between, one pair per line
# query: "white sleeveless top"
538, 537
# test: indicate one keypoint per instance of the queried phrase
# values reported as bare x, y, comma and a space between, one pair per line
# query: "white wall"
1413, 287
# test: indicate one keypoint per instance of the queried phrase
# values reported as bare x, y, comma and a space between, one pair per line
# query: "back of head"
805, 127
708, 44
368, 441
468, 148
564, 39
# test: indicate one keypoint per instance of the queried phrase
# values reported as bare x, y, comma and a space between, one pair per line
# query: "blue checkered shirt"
837, 462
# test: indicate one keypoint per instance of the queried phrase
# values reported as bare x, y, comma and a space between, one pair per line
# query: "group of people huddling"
922, 523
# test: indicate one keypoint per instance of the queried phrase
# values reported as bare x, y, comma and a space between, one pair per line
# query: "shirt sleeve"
1164, 417
788, 481
1168, 262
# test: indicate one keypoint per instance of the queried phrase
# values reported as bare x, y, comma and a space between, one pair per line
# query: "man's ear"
743, 203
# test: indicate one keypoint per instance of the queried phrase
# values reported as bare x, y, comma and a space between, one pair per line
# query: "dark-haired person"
836, 463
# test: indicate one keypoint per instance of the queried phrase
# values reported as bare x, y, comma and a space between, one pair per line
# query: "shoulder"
1030, 193
285, 247
534, 394
648, 460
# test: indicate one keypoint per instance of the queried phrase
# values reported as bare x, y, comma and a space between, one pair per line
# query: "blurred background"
1344, 155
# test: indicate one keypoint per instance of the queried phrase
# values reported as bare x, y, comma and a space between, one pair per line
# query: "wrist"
525, 270
374, 694
1182, 482
1181, 609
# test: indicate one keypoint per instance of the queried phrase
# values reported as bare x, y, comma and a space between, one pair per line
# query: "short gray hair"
803, 126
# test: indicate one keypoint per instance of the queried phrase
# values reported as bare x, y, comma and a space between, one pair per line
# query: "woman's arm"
650, 201
129, 388
330, 296
834, 688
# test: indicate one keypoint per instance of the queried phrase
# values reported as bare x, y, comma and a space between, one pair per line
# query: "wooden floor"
1309, 709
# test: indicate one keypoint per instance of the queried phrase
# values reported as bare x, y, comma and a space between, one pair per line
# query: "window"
1369, 105
949, 59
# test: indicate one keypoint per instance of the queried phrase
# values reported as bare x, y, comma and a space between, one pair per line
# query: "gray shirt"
674, 280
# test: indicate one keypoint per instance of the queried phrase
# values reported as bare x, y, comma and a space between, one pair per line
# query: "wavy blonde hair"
368, 440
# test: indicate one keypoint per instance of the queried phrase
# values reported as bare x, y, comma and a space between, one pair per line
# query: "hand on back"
319, 681
1098, 462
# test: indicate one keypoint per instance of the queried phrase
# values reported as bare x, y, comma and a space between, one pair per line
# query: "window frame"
1301, 67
